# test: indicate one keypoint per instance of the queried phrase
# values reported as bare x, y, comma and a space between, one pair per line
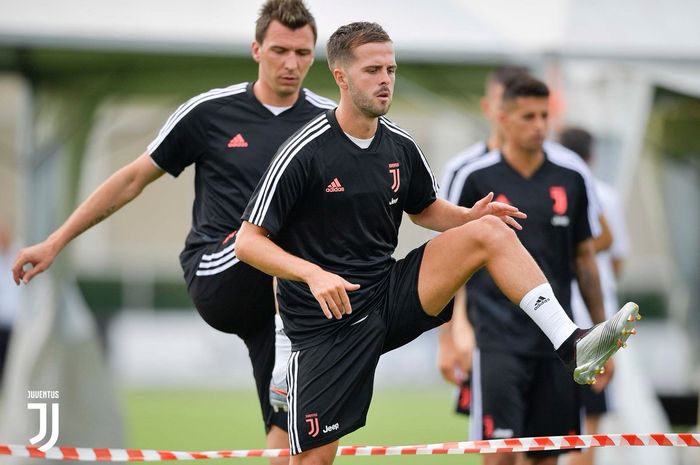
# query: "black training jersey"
328, 201
230, 137
560, 216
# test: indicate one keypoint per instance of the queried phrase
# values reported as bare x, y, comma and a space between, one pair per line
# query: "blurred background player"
457, 339
518, 388
230, 135
457, 336
594, 399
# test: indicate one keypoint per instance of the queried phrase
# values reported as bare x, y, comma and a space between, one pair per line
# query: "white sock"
546, 311
283, 349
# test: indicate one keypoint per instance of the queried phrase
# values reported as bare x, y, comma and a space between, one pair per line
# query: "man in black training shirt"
519, 389
456, 339
324, 219
230, 135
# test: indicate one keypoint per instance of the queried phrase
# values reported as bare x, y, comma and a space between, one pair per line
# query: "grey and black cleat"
594, 346
278, 396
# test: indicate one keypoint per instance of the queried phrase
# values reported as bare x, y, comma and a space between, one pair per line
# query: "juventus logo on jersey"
396, 176
558, 195
561, 204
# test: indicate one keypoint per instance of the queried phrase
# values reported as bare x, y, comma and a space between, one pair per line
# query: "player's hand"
601, 381
506, 213
40, 256
465, 343
450, 359
331, 293
447, 360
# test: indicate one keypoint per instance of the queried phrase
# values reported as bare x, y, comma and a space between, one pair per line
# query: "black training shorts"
330, 384
515, 395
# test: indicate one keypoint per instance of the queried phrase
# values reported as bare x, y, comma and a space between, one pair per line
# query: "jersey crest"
558, 195
396, 176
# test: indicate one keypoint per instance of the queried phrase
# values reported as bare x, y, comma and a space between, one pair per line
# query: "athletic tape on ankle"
466, 447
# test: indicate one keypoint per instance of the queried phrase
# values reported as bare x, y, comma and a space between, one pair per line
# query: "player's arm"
442, 215
605, 239
588, 280
254, 247
118, 190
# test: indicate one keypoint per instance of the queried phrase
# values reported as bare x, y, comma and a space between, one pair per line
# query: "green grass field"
214, 420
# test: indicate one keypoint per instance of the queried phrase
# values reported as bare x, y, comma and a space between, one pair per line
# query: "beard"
366, 102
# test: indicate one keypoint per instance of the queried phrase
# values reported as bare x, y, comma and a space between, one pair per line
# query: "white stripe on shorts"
224, 267
292, 379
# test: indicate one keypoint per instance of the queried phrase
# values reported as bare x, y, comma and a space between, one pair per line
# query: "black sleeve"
181, 140
581, 226
422, 187
279, 190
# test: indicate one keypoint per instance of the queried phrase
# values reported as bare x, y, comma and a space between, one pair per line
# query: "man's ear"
340, 77
255, 51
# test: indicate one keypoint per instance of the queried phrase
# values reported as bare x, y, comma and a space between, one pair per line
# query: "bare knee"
488, 233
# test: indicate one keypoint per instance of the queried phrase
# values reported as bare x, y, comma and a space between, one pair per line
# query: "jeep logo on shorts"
333, 427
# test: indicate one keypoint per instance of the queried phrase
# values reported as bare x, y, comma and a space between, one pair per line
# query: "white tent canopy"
439, 29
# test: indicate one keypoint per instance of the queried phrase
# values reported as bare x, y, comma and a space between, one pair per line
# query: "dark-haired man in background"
518, 387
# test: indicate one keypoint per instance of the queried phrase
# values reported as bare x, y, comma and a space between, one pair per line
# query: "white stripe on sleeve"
264, 198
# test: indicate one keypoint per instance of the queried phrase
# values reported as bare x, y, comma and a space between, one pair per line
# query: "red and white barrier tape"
466, 447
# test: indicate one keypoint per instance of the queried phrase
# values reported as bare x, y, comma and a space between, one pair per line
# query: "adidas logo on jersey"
335, 186
237, 142
540, 302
